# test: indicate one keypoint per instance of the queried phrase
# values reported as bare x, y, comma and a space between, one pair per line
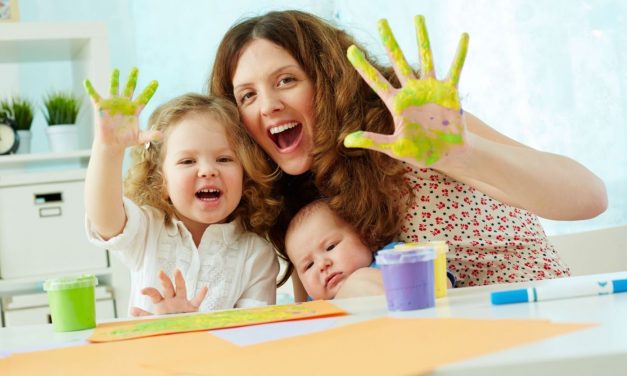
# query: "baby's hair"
305, 212
145, 184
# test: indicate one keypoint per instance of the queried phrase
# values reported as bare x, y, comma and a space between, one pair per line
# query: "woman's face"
275, 99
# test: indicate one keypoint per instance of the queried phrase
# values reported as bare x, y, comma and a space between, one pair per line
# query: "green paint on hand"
131, 83
115, 83
420, 92
460, 58
91, 91
358, 140
357, 58
424, 46
398, 59
148, 92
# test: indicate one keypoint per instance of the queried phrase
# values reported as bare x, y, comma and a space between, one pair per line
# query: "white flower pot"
62, 137
25, 137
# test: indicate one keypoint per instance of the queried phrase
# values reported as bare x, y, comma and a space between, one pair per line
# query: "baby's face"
325, 250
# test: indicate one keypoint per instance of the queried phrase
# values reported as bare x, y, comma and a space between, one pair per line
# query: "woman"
299, 97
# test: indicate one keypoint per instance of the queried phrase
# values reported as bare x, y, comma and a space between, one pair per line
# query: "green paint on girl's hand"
427, 112
118, 115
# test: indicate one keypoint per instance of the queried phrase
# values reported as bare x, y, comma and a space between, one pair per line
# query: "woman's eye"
246, 96
286, 80
330, 247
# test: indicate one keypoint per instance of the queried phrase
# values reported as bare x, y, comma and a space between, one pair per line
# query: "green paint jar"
72, 302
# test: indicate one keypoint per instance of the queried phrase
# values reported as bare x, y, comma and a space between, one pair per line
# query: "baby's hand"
428, 118
363, 282
174, 298
118, 116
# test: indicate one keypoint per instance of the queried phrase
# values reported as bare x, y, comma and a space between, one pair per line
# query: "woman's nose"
271, 103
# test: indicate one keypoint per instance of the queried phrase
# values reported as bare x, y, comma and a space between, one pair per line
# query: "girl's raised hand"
118, 116
428, 118
174, 298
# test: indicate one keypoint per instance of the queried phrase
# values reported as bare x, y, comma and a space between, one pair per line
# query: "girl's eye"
225, 159
330, 247
186, 161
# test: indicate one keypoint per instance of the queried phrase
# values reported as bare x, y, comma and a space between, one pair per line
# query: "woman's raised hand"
118, 116
428, 118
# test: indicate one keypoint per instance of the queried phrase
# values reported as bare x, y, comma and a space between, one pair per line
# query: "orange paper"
385, 346
122, 330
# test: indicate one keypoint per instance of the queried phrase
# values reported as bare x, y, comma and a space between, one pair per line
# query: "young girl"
193, 194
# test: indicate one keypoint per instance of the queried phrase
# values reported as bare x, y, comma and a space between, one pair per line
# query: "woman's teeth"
282, 128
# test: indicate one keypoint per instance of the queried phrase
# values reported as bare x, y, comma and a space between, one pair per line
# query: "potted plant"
21, 111
61, 110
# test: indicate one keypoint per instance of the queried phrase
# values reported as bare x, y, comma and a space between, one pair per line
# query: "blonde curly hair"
145, 183
365, 188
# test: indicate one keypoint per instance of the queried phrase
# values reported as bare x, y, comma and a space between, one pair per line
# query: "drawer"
42, 231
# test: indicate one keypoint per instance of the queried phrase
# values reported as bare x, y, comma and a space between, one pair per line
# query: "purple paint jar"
407, 278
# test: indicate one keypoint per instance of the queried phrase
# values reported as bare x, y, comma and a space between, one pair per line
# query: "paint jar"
407, 278
72, 302
439, 263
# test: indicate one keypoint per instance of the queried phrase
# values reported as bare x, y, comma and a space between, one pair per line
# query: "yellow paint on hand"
374, 78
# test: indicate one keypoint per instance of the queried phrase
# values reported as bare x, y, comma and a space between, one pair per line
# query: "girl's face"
203, 175
275, 99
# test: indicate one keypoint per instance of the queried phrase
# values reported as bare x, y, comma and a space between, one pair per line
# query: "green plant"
61, 108
20, 110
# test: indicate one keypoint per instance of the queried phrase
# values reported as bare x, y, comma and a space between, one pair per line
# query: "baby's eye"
186, 161
330, 247
309, 265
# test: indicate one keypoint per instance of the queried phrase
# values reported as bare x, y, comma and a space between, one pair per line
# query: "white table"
601, 350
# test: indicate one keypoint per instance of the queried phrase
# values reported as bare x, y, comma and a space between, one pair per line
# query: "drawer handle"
46, 198
54, 211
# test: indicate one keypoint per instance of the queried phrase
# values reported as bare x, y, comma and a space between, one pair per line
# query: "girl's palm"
118, 115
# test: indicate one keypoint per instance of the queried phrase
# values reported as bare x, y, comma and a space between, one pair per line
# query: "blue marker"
568, 289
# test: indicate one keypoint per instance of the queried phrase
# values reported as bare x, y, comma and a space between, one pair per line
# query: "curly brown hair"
145, 184
365, 188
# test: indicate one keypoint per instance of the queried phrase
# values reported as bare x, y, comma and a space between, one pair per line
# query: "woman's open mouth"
286, 135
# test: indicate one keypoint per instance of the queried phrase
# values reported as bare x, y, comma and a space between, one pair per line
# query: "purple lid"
403, 256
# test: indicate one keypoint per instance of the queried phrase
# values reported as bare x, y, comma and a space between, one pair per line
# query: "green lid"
64, 283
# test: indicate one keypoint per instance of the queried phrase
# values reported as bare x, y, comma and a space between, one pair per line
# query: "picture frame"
9, 11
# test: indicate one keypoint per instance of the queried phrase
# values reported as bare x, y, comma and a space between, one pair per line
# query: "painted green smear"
122, 105
460, 57
357, 58
393, 48
131, 83
419, 92
424, 46
115, 83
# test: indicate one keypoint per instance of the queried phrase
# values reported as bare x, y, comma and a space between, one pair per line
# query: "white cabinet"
41, 194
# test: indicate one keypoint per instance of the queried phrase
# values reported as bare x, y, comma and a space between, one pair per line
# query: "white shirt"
239, 268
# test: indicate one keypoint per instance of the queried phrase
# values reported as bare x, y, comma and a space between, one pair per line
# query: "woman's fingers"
424, 48
370, 74
399, 63
458, 62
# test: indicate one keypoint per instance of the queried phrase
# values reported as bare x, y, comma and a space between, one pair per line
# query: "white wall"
552, 74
